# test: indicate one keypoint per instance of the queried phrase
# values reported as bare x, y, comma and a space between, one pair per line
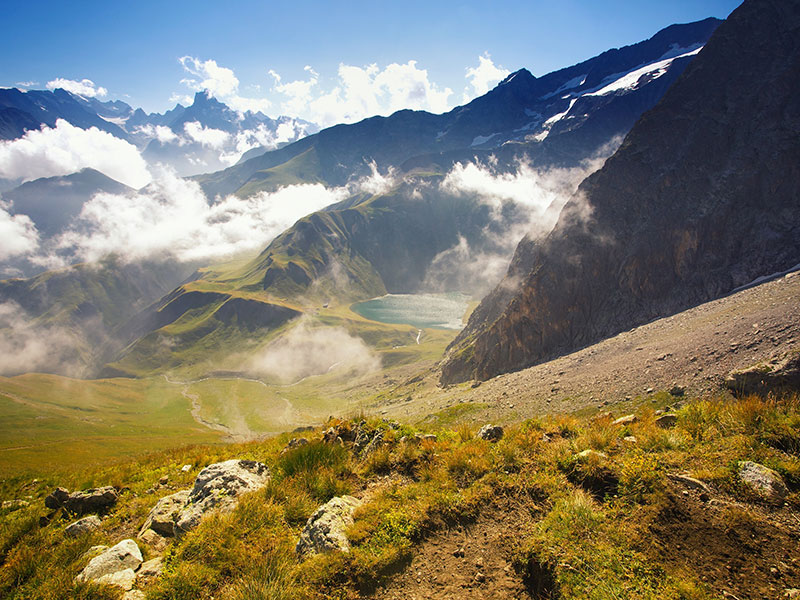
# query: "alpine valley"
556, 327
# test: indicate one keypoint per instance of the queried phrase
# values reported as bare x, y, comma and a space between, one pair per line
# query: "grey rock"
630, 439
152, 539
677, 390
125, 555
764, 481
57, 498
491, 433
626, 420
667, 421
294, 443
774, 375
92, 500
123, 579
325, 529
218, 487
82, 526
163, 515
589, 453
150, 569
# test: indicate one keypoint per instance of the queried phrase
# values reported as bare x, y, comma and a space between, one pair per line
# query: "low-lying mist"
305, 351
27, 346
522, 201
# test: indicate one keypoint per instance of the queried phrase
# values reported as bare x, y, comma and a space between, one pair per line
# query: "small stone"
677, 390
764, 481
667, 421
459, 553
491, 433
630, 439
83, 526
626, 420
480, 577
163, 480
150, 569
186, 468
152, 539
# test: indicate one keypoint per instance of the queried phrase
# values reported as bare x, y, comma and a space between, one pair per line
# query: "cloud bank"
172, 218
305, 351
65, 149
84, 87
26, 347
18, 235
535, 198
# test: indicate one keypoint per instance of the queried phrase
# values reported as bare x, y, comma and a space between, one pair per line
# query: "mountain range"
391, 240
201, 137
700, 199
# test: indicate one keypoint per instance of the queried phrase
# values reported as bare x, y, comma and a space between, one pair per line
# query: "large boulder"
125, 555
218, 487
163, 515
325, 529
82, 526
81, 503
763, 481
777, 374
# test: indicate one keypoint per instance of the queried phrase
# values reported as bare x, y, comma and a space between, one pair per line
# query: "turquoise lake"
442, 311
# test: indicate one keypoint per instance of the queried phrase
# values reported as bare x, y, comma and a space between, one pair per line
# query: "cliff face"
702, 197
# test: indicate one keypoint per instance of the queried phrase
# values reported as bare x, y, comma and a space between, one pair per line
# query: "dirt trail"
694, 349
468, 561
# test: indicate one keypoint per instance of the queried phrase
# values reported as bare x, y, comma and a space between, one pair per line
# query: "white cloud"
537, 196
221, 82
305, 351
27, 347
263, 137
65, 149
207, 136
18, 235
163, 134
362, 92
84, 87
172, 218
485, 76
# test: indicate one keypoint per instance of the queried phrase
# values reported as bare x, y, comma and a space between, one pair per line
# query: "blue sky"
134, 50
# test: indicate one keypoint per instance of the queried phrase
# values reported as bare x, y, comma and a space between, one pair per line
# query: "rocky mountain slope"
559, 118
701, 198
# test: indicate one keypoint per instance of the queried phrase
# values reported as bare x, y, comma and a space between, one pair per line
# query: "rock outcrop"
163, 515
763, 481
218, 487
82, 526
114, 566
81, 503
701, 198
772, 376
325, 529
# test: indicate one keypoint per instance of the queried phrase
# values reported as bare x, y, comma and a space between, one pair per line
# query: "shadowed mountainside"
701, 198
